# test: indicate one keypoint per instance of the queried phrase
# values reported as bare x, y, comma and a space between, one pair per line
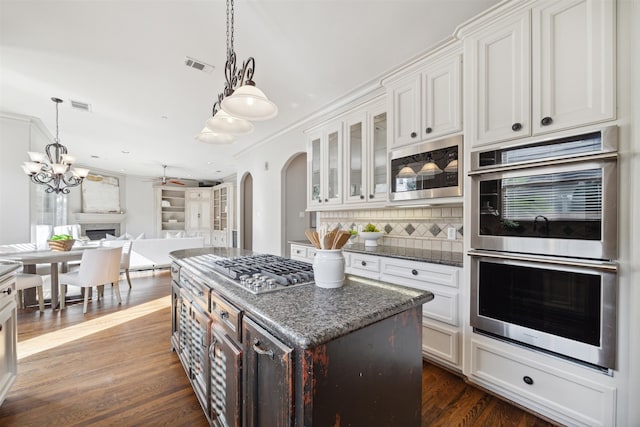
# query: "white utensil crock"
328, 268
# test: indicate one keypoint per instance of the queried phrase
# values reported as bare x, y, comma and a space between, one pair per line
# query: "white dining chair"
125, 259
97, 267
27, 281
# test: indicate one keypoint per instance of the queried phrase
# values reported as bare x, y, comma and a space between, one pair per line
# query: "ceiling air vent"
198, 65
82, 106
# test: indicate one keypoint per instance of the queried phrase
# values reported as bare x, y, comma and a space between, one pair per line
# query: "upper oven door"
566, 209
428, 170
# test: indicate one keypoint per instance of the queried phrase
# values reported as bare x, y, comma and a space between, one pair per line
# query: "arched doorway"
246, 212
295, 219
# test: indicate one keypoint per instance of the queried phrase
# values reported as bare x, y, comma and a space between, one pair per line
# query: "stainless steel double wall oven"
544, 238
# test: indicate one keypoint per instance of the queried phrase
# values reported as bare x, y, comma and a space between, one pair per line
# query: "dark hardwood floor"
114, 366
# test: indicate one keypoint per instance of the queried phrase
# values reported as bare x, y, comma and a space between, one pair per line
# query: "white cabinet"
170, 206
428, 103
497, 64
223, 196
541, 70
543, 387
441, 324
364, 265
8, 334
324, 168
303, 253
365, 166
198, 213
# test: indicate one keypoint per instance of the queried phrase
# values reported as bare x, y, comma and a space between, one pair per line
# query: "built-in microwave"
427, 170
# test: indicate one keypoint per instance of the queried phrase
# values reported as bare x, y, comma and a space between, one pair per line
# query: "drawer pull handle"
257, 349
546, 121
224, 314
413, 134
428, 130
516, 127
7, 291
414, 272
364, 263
527, 380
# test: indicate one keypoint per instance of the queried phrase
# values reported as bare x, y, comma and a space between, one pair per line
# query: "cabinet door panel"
573, 64
313, 168
377, 188
442, 101
226, 367
333, 167
406, 112
268, 383
355, 163
502, 101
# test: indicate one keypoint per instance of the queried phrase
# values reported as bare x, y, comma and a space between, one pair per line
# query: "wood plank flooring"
114, 366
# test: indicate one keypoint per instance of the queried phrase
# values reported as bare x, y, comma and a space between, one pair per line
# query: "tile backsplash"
422, 228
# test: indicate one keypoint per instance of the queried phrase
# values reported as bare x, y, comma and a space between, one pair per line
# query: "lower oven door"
559, 305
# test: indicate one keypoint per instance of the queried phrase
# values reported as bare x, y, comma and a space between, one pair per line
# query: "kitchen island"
297, 356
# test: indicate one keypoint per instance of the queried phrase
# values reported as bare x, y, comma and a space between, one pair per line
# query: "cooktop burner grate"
259, 273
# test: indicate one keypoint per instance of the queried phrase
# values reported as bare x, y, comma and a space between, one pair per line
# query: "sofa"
154, 253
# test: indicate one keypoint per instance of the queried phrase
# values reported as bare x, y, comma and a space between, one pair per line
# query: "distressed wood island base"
298, 357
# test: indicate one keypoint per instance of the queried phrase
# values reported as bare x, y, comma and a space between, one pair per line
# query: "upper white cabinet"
540, 70
223, 215
365, 171
573, 57
198, 213
427, 104
324, 166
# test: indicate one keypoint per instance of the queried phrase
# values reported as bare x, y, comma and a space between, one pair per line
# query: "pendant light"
241, 100
406, 172
53, 169
429, 169
211, 137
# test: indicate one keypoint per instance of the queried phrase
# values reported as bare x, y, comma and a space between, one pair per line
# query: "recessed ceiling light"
164, 117
95, 157
218, 171
125, 152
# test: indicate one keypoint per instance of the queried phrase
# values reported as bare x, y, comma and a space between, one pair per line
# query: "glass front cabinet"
325, 167
366, 156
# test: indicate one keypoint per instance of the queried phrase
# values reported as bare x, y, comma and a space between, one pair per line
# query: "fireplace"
99, 230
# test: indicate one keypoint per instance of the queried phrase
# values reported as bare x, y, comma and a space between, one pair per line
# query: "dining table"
57, 259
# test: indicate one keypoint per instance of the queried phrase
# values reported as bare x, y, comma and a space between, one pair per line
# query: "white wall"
295, 220
139, 206
267, 185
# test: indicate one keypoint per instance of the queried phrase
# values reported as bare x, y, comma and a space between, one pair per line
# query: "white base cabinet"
543, 387
441, 322
8, 334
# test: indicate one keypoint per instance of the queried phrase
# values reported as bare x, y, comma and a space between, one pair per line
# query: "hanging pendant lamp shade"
249, 103
211, 137
452, 166
429, 170
222, 122
406, 172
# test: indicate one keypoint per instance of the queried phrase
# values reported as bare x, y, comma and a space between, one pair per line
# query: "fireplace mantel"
96, 218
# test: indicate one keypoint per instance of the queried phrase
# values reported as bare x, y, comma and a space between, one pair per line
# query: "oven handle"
599, 265
545, 162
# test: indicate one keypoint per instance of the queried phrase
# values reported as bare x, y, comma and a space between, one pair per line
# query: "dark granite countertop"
306, 316
423, 255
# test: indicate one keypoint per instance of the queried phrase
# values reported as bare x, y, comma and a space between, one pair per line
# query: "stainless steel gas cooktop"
258, 274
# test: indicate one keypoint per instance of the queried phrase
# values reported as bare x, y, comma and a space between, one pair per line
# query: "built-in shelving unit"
170, 210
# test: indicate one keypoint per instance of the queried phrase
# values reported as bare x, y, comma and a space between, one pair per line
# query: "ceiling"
126, 59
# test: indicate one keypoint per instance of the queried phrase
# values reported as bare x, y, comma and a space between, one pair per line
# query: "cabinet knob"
371, 196
7, 291
413, 134
414, 272
326, 200
546, 121
361, 196
428, 130
516, 127
319, 200
527, 380
364, 263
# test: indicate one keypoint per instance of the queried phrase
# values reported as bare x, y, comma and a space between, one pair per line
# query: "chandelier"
53, 169
240, 102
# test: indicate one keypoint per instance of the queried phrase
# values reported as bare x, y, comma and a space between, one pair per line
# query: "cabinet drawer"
564, 396
226, 316
299, 252
443, 306
365, 265
441, 341
419, 274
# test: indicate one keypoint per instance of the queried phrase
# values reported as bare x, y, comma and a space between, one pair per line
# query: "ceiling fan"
166, 180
